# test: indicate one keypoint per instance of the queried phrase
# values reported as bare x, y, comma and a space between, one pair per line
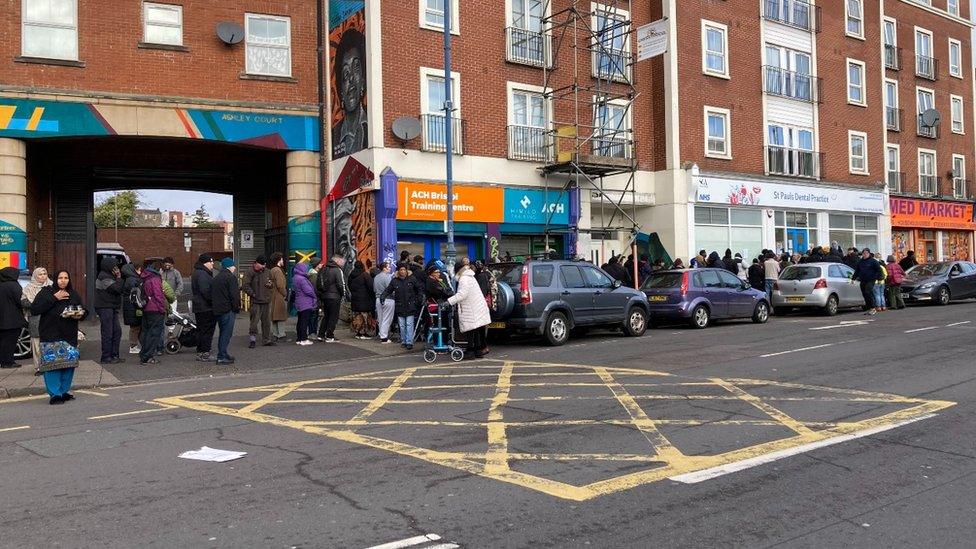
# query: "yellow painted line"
93, 393
8, 429
6, 113
35, 118
383, 397
22, 399
496, 460
770, 410
270, 398
881, 397
563, 423
161, 407
661, 445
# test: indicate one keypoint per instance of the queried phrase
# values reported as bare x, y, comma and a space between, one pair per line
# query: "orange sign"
428, 202
931, 214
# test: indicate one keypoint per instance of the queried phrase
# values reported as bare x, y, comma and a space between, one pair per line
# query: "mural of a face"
353, 81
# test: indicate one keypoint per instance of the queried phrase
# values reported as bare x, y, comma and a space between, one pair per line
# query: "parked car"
823, 286
700, 296
552, 297
23, 349
939, 282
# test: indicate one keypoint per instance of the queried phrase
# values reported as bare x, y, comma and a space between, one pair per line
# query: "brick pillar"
304, 225
13, 203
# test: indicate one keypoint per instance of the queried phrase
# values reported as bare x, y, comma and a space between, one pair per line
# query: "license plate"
904, 296
658, 298
496, 326
799, 299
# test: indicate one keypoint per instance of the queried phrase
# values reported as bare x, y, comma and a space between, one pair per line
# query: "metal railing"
434, 133
928, 184
959, 186
892, 57
795, 85
931, 132
795, 13
893, 119
926, 67
529, 143
614, 147
611, 64
527, 47
792, 162
895, 180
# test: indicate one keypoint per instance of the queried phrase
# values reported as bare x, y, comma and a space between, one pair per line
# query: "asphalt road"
667, 440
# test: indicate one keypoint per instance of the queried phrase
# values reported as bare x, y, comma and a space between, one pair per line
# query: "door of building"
797, 240
928, 244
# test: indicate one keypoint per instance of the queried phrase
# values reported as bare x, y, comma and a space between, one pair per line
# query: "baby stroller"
440, 339
180, 332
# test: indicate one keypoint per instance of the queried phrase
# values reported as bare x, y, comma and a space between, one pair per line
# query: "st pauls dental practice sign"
736, 192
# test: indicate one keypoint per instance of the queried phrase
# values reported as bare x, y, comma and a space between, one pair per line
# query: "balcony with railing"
932, 132
613, 145
530, 143
928, 185
527, 47
434, 133
926, 67
611, 64
793, 162
795, 13
892, 57
893, 119
959, 187
795, 85
896, 181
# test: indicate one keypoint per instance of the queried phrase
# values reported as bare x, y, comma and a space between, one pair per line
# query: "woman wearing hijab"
12, 319
59, 324
39, 280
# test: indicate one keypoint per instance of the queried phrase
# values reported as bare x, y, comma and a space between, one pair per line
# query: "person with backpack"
896, 275
108, 301
331, 289
201, 285
154, 306
257, 286
279, 296
131, 315
226, 291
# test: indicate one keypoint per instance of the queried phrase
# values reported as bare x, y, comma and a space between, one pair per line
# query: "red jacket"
896, 275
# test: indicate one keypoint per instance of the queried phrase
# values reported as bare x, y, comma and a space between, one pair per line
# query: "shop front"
747, 216
937, 230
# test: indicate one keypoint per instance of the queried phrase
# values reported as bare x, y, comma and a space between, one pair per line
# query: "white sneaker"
330, 340
134, 350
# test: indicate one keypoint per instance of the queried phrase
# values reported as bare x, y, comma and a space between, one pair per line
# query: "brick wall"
142, 242
109, 35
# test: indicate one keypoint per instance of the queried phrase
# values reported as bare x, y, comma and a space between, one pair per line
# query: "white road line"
714, 472
844, 324
444, 546
798, 350
958, 323
921, 329
7, 429
409, 542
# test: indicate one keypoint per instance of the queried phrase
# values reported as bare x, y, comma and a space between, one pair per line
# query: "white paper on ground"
212, 454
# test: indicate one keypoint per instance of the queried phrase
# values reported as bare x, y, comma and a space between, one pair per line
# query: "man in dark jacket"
131, 316
331, 289
852, 258
868, 272
226, 294
908, 261
257, 286
200, 283
108, 301
12, 318
757, 275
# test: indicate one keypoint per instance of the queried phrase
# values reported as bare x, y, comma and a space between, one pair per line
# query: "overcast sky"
220, 206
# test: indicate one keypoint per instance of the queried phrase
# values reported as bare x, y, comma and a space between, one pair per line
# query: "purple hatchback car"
699, 296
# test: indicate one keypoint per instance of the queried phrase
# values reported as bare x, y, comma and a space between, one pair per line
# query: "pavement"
806, 432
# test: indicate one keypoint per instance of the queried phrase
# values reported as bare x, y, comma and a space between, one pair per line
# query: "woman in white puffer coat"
472, 311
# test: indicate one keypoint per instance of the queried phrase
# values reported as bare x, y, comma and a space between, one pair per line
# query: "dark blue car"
698, 296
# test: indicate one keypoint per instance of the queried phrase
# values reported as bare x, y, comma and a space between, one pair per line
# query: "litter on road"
212, 454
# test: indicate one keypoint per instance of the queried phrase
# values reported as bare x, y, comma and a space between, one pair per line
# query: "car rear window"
662, 280
542, 275
509, 273
800, 273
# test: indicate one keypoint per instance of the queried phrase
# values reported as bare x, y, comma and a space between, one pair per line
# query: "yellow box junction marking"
662, 458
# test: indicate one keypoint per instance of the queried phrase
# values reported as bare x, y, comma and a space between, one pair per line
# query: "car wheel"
557, 329
700, 317
944, 296
23, 349
761, 314
832, 306
636, 323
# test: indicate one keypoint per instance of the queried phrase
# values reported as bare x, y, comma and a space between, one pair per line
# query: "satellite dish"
931, 118
230, 33
406, 128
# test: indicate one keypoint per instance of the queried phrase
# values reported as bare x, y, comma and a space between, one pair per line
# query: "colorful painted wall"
347, 65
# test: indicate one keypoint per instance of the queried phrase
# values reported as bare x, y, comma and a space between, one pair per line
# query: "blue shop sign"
532, 206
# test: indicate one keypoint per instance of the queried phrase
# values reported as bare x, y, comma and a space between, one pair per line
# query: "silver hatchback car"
824, 286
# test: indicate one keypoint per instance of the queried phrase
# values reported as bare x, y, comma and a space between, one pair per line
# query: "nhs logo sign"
536, 206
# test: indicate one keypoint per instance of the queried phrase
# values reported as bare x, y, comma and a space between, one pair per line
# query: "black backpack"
137, 297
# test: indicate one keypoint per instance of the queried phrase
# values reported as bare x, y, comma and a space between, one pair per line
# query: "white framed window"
788, 73
432, 99
611, 48
928, 183
890, 35
528, 122
432, 15
952, 6
924, 56
925, 100
855, 82
956, 113
162, 24
958, 176
49, 29
789, 151
893, 167
892, 112
854, 11
740, 229
715, 47
612, 134
955, 58
267, 45
718, 133
857, 143
526, 42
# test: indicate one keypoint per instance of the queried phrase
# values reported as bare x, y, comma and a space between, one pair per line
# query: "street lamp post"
449, 137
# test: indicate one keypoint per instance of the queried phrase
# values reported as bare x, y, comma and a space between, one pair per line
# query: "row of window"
50, 31
854, 16
925, 100
928, 177
926, 64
